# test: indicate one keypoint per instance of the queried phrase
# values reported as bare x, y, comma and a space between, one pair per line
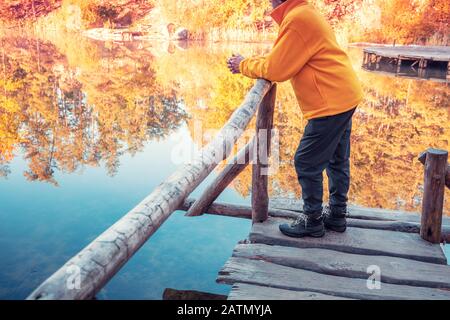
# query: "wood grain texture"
243, 291
356, 212
235, 210
264, 123
433, 194
243, 211
263, 273
354, 240
363, 213
104, 256
422, 158
393, 270
223, 179
447, 176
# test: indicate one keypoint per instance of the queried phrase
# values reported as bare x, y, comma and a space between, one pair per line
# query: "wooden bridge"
423, 62
383, 254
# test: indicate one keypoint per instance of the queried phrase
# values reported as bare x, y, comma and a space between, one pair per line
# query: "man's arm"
287, 57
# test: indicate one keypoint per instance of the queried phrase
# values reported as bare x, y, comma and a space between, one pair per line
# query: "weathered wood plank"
262, 273
393, 270
104, 256
354, 240
243, 211
401, 226
243, 291
235, 210
356, 212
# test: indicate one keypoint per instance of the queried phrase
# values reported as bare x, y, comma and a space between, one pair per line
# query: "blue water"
42, 226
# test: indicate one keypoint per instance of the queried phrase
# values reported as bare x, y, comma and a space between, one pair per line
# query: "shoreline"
129, 35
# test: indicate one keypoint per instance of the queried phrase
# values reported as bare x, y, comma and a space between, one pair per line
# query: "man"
328, 91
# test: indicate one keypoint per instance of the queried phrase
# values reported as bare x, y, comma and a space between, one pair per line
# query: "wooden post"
377, 66
447, 176
264, 123
370, 60
435, 161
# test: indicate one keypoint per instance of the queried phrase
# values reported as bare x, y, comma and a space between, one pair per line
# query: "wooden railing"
436, 177
89, 270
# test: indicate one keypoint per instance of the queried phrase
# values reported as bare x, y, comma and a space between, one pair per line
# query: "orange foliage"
386, 21
64, 116
398, 119
67, 102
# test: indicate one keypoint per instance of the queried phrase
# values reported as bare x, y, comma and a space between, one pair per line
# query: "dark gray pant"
325, 145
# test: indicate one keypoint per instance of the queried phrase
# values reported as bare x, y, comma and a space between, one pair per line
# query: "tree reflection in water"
62, 117
72, 102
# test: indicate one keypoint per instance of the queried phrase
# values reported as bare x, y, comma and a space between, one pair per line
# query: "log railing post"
264, 123
231, 171
435, 162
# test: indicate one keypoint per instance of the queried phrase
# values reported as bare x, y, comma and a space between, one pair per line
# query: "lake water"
89, 128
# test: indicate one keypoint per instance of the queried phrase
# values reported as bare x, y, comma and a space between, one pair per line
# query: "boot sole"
336, 229
318, 234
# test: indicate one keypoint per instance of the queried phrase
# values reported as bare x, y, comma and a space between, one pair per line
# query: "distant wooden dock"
404, 248
423, 62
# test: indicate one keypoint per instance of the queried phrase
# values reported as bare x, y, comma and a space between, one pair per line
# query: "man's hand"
233, 63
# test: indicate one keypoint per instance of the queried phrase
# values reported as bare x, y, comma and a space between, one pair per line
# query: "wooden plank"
235, 210
401, 226
393, 270
264, 273
100, 260
243, 211
354, 240
243, 291
356, 212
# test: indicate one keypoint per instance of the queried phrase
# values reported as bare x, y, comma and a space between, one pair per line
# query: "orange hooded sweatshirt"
307, 53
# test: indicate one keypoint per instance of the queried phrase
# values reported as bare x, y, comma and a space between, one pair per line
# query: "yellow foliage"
204, 18
81, 102
398, 119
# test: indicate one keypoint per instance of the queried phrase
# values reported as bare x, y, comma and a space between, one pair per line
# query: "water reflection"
63, 116
435, 71
72, 102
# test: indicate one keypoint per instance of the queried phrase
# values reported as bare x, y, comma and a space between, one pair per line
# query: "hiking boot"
334, 218
305, 225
